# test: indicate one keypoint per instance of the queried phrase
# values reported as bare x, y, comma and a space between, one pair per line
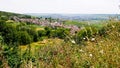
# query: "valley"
70, 41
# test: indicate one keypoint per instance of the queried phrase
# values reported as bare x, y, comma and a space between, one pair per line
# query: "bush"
33, 34
41, 33
48, 31
2, 24
12, 56
102, 32
9, 34
24, 38
86, 34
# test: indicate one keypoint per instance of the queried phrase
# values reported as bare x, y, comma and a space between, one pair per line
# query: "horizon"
66, 13
75, 13
61, 6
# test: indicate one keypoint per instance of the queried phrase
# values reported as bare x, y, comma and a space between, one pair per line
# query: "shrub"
102, 32
33, 34
2, 24
9, 34
41, 33
12, 56
24, 38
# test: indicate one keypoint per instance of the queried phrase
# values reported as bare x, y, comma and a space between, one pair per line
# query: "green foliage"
2, 24
102, 32
86, 34
12, 56
1, 39
48, 30
5, 18
33, 34
24, 38
77, 23
9, 34
72, 23
8, 15
101, 53
61, 33
41, 33
17, 33
58, 32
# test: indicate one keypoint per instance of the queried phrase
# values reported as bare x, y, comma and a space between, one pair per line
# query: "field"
45, 42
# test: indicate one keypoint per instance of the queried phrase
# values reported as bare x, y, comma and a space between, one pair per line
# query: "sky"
61, 6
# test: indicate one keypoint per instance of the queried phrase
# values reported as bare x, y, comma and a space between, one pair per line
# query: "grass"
76, 23
37, 29
66, 55
103, 52
96, 24
45, 42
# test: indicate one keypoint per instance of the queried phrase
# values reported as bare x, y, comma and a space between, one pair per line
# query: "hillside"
27, 45
10, 14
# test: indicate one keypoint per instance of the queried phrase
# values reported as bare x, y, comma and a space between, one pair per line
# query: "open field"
45, 42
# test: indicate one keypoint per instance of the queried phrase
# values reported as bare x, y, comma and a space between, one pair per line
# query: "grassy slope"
98, 24
104, 52
10, 14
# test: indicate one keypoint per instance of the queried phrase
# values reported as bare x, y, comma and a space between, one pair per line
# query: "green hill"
7, 15
91, 47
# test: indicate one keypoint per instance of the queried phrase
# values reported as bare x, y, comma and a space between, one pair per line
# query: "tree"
33, 34
48, 30
41, 33
9, 34
24, 38
2, 24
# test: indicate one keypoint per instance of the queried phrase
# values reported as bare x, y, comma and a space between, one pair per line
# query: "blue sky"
61, 6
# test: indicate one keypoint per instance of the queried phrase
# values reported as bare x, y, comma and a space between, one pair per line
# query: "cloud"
60, 6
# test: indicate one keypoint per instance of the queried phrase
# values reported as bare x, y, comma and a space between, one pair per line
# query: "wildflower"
113, 26
83, 38
93, 39
73, 41
90, 55
119, 34
101, 51
81, 50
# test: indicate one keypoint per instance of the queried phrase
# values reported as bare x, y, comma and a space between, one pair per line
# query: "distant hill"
8, 15
76, 16
79, 17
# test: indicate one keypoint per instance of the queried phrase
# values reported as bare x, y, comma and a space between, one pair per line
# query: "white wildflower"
93, 39
84, 38
90, 55
101, 41
113, 26
81, 50
119, 34
101, 51
73, 41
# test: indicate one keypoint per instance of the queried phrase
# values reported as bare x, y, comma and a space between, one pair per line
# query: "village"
44, 22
